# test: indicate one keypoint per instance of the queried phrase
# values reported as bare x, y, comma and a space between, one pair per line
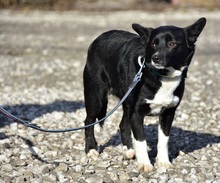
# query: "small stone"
6, 146
107, 179
3, 157
62, 177
181, 153
6, 168
113, 175
23, 157
14, 126
84, 160
45, 169
161, 169
78, 168
104, 164
133, 174
124, 177
164, 177
37, 180
193, 171
179, 180
153, 181
21, 179
62, 167
7, 179
94, 179
18, 162
209, 82
28, 175
50, 178
184, 171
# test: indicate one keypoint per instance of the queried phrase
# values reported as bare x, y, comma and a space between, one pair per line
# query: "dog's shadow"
180, 140
31, 111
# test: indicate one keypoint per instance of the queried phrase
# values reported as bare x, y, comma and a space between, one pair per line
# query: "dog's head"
168, 47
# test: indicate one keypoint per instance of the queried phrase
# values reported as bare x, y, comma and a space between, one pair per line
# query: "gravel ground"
42, 58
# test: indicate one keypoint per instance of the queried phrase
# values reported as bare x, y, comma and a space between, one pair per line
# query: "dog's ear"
143, 32
192, 32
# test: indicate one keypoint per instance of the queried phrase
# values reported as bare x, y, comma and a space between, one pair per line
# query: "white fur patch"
162, 148
141, 152
164, 96
173, 72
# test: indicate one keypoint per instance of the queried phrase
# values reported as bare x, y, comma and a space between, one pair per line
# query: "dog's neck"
172, 73
168, 73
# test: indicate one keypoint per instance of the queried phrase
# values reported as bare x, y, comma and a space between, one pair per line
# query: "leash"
137, 78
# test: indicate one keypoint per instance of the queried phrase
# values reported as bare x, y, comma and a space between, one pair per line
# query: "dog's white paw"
167, 165
129, 153
147, 168
92, 153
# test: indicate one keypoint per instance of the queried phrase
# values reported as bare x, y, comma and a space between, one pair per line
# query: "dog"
112, 63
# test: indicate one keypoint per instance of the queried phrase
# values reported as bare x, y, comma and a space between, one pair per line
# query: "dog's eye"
171, 44
153, 45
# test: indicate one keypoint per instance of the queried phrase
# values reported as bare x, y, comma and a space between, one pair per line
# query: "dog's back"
106, 58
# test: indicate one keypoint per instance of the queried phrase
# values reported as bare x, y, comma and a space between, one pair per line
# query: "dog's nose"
156, 58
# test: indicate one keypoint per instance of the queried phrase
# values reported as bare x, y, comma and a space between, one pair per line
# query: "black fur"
112, 64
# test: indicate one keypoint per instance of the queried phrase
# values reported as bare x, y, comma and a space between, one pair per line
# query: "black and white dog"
112, 63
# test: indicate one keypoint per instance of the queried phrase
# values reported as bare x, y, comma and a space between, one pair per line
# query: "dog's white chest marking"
164, 96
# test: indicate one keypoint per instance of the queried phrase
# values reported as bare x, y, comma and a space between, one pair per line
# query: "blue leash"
136, 79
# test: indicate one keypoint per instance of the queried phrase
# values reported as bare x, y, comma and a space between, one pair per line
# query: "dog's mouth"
157, 65
167, 71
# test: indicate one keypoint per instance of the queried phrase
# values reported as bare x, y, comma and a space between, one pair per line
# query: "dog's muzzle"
157, 61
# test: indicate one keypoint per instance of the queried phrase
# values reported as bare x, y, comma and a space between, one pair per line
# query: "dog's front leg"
165, 122
140, 144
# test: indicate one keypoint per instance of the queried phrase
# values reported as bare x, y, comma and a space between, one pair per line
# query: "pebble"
124, 177
114, 175
78, 168
62, 167
164, 177
161, 169
50, 178
94, 179
184, 171
6, 168
45, 169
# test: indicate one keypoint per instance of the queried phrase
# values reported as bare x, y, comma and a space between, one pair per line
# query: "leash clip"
141, 61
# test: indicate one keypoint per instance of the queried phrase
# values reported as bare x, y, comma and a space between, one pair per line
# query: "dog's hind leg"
95, 93
94, 110
103, 111
125, 129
